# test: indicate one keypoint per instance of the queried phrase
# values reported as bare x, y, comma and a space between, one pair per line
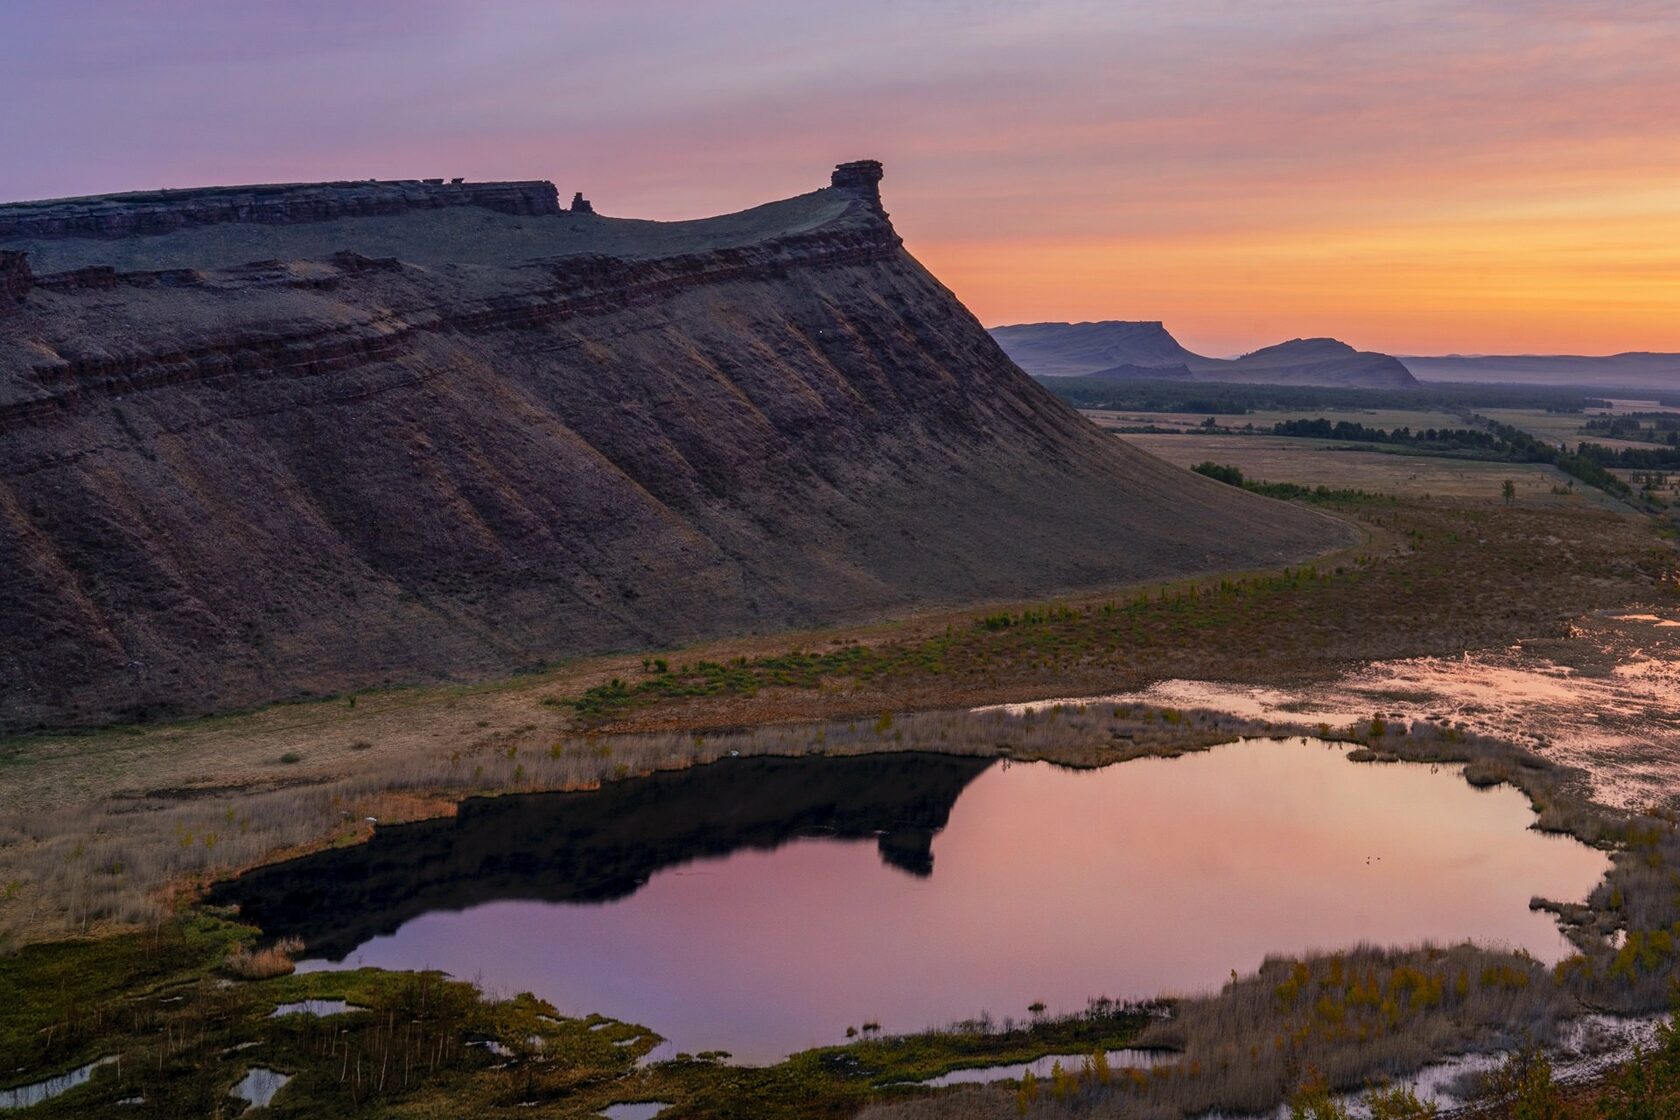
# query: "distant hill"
1312, 361
1638, 369
1126, 371
1081, 349
1118, 349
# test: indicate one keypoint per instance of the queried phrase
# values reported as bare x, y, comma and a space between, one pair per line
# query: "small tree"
1527, 1090
1062, 1082
1312, 1100
1399, 1103
1027, 1093
1509, 489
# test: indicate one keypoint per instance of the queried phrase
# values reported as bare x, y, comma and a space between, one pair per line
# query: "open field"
1314, 462
1386, 418
297, 745
1561, 427
1411, 589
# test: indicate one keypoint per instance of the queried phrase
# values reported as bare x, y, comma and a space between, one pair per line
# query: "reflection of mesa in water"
760, 905
600, 845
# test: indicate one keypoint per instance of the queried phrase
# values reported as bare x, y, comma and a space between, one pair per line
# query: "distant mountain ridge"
1632, 369
1123, 349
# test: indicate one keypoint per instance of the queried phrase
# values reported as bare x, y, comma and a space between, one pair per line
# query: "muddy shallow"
1605, 699
761, 906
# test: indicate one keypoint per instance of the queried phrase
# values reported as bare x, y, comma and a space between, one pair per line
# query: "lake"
763, 905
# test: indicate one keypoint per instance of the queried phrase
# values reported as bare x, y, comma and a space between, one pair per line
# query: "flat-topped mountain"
1083, 349
1120, 349
267, 442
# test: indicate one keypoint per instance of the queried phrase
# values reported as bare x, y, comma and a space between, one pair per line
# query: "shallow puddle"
641, 1110
317, 1007
46, 1089
258, 1086
1606, 699
698, 902
1045, 1067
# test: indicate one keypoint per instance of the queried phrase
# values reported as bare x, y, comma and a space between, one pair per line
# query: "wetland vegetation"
169, 998
167, 984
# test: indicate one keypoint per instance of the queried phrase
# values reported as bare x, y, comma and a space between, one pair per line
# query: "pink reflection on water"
1606, 699
1148, 877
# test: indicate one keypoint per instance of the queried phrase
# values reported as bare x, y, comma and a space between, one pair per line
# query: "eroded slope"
327, 470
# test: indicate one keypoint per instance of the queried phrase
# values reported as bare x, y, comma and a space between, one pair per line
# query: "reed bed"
129, 862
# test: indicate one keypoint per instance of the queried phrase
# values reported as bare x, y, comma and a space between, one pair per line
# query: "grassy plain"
1387, 418
1558, 427
1316, 462
183, 1032
1433, 575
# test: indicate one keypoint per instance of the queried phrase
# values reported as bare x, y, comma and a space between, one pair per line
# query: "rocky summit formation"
449, 430
124, 215
1119, 349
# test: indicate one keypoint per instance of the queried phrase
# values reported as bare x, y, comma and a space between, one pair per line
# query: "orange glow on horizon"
1425, 261
1584, 288
1419, 176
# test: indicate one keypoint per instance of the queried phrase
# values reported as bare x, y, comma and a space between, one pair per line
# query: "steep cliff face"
460, 441
15, 278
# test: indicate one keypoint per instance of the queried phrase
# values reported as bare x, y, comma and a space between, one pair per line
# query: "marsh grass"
421, 1044
1048, 634
263, 964
184, 1036
132, 861
1446, 583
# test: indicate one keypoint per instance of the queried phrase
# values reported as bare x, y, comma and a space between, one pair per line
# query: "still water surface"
761, 906
1606, 698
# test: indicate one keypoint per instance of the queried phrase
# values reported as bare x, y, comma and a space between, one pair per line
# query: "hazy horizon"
1421, 177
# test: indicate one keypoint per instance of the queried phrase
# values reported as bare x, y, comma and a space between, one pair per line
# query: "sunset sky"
1410, 175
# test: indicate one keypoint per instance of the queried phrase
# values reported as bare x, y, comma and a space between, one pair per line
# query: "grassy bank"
143, 855
1447, 577
173, 1009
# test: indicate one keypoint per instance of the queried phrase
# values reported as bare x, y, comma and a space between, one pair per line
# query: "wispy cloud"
1414, 174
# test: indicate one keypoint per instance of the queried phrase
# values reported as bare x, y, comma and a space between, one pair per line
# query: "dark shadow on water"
600, 845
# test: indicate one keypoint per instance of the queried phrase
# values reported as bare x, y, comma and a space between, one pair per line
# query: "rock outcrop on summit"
279, 441
1120, 349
